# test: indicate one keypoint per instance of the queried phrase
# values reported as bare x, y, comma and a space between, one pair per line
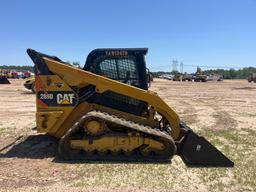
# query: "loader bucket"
196, 151
4, 80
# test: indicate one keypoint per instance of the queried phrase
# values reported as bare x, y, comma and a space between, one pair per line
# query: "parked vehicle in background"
13, 75
177, 77
3, 77
183, 77
166, 76
252, 78
199, 76
187, 77
220, 78
215, 78
26, 74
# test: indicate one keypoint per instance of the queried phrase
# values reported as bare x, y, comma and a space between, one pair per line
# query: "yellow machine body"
86, 128
60, 119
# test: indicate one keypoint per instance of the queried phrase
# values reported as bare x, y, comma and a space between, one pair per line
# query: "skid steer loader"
3, 77
105, 111
4, 80
30, 84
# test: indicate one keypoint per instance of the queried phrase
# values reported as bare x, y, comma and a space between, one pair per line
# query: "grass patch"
13, 131
241, 149
125, 175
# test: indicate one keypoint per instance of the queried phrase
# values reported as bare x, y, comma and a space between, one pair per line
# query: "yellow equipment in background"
199, 76
106, 112
3, 76
30, 84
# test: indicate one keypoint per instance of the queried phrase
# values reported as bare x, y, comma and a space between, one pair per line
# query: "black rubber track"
66, 153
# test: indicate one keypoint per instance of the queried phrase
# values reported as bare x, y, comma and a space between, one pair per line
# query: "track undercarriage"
98, 135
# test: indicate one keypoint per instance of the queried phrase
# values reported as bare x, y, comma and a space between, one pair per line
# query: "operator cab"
124, 65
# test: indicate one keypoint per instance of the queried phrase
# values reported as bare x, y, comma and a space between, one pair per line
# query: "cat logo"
66, 98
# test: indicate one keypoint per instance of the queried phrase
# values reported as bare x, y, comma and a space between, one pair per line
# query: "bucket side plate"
196, 151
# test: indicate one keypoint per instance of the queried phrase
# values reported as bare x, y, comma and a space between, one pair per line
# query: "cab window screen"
121, 69
108, 68
127, 66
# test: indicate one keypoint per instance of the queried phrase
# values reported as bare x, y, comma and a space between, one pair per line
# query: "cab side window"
108, 68
121, 69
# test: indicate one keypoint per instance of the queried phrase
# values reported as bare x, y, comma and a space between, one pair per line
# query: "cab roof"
114, 52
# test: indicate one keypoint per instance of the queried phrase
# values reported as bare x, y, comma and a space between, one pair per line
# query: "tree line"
31, 68
232, 73
18, 67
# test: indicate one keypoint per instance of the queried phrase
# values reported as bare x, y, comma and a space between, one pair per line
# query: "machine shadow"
45, 146
32, 147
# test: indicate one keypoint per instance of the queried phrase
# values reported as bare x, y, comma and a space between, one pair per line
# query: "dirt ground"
223, 112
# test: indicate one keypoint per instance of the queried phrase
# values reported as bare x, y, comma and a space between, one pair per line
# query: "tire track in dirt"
188, 113
219, 117
223, 120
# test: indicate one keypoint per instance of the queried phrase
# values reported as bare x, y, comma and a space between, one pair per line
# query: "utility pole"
181, 67
174, 65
